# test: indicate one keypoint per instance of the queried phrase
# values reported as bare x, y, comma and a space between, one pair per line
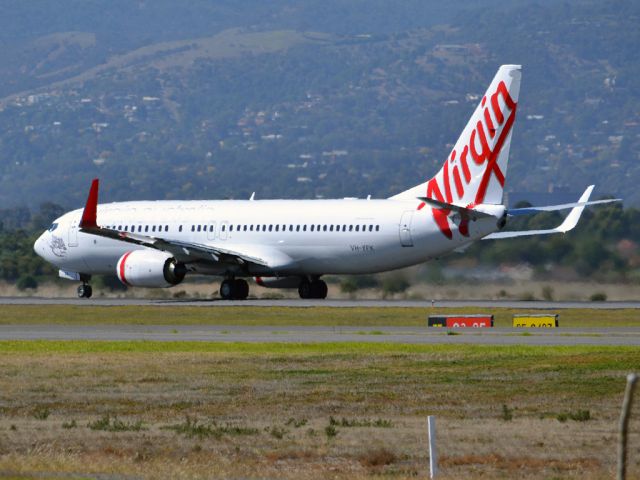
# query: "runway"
544, 305
627, 336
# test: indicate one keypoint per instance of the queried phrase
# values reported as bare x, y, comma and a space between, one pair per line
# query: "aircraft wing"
185, 252
568, 224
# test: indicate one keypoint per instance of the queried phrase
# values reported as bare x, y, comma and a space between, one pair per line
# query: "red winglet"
89, 216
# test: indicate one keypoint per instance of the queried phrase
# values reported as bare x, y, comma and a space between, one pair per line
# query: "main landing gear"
85, 291
234, 289
314, 289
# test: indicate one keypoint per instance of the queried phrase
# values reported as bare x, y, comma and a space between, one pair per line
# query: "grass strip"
290, 316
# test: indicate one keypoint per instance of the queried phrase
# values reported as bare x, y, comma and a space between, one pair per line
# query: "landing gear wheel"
85, 291
319, 289
304, 289
315, 289
227, 289
241, 289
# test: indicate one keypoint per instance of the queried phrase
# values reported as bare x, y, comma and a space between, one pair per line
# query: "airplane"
293, 243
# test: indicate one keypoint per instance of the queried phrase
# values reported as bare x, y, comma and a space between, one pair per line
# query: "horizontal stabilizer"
465, 213
568, 224
512, 212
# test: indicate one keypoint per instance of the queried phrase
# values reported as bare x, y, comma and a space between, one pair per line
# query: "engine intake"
149, 268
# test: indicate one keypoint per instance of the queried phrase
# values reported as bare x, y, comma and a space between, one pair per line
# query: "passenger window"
351, 228
146, 228
251, 228
377, 228
371, 228
331, 228
231, 228
324, 228
312, 227
297, 228
291, 228
180, 228
277, 228
166, 228
270, 228
357, 228
224, 228
193, 228
199, 227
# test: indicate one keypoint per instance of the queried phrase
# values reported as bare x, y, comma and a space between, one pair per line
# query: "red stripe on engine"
121, 269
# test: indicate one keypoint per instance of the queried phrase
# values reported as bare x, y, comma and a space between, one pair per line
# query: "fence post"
632, 378
433, 455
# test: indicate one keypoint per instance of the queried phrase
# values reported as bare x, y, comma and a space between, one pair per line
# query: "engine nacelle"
278, 282
149, 268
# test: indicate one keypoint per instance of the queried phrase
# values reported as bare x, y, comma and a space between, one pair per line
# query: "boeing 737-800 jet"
292, 243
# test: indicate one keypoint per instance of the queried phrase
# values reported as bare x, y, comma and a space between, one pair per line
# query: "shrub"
598, 297
547, 293
109, 424
348, 285
26, 282
507, 413
580, 415
394, 284
41, 413
331, 431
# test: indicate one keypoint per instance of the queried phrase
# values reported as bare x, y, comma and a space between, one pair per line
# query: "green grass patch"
113, 424
477, 355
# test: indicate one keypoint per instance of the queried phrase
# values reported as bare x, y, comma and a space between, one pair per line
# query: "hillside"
307, 99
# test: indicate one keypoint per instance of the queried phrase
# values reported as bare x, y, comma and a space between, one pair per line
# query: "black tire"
81, 290
227, 289
319, 289
241, 289
304, 289
88, 291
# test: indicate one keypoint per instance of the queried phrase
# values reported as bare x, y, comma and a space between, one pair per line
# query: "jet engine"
278, 282
149, 268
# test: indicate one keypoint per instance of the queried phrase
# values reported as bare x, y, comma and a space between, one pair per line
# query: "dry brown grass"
264, 391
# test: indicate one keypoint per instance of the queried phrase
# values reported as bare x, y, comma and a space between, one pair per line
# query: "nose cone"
40, 246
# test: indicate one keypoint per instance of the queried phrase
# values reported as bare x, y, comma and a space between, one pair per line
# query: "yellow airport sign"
536, 321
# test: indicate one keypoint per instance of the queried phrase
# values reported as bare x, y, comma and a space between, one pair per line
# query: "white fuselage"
299, 237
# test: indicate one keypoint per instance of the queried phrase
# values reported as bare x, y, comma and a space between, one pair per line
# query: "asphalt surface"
313, 334
318, 303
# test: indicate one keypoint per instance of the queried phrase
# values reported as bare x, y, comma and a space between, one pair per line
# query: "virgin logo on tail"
477, 162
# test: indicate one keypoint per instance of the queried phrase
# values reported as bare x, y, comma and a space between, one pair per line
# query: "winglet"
574, 215
90, 213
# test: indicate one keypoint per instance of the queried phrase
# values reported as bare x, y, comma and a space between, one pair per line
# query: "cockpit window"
53, 227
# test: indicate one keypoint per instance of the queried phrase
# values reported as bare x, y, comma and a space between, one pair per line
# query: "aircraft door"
73, 235
211, 231
405, 229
